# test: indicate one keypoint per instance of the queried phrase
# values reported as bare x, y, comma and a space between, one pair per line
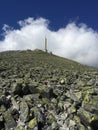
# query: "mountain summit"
41, 91
39, 58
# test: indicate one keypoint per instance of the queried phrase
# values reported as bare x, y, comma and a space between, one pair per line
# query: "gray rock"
32, 86
15, 105
24, 111
16, 88
55, 126
9, 120
91, 82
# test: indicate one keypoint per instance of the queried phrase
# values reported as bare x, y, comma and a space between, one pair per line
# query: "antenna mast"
45, 44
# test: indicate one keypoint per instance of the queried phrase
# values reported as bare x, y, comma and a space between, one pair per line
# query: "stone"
81, 83
15, 105
91, 82
40, 92
64, 128
24, 111
62, 82
1, 117
9, 120
72, 123
16, 88
75, 96
29, 100
85, 116
5, 101
90, 103
67, 105
71, 110
63, 116
2, 109
25, 89
32, 86
20, 128
32, 123
54, 126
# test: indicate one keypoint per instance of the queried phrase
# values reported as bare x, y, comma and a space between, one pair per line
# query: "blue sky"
59, 12
71, 27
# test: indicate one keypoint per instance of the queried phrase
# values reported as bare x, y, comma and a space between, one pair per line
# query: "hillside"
41, 91
38, 58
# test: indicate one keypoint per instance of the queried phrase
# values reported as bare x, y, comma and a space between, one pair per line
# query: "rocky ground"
40, 91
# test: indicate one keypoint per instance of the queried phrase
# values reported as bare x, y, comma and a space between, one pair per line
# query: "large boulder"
24, 111
9, 120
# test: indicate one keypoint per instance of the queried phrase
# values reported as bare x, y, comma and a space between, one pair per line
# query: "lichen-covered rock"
40, 91
85, 116
15, 105
9, 120
62, 82
5, 101
32, 123
29, 100
51, 118
20, 128
90, 103
24, 111
71, 109
55, 126
32, 86
43, 91
16, 88
2, 109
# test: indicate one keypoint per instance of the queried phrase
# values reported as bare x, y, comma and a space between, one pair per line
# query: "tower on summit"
45, 45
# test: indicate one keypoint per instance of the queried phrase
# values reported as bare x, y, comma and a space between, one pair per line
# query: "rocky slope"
40, 91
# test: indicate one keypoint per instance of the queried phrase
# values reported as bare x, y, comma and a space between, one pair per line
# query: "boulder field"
40, 91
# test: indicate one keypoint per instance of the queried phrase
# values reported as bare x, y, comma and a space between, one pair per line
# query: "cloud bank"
76, 42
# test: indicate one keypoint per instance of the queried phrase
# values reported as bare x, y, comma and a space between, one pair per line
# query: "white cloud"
76, 42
